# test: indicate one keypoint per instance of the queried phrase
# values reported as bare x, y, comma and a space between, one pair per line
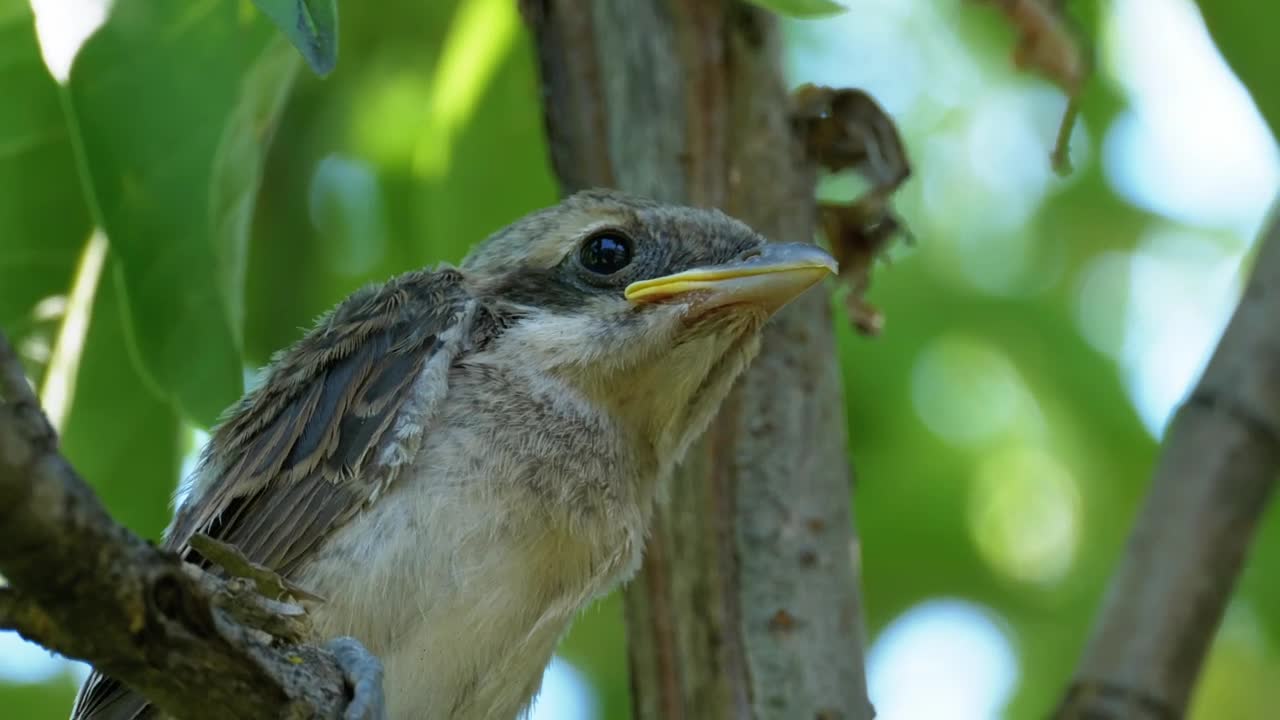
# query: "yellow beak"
770, 279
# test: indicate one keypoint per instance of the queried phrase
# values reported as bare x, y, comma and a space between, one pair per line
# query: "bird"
460, 459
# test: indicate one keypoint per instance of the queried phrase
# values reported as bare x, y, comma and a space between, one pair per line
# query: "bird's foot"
363, 672
269, 583
266, 602
256, 596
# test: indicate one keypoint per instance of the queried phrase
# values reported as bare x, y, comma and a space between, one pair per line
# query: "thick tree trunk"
747, 605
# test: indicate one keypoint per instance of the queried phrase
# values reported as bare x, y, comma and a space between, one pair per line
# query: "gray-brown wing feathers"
302, 454
318, 455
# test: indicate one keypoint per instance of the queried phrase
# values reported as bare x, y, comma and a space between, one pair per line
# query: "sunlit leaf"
802, 8
57, 388
312, 27
173, 102
480, 35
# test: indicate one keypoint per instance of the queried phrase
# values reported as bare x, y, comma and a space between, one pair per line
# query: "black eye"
606, 253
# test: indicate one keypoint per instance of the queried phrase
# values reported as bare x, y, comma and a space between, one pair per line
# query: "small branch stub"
1048, 44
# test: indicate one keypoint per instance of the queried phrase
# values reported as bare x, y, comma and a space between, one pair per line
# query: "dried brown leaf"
845, 129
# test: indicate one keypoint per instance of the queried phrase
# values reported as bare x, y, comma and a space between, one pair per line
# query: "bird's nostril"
750, 254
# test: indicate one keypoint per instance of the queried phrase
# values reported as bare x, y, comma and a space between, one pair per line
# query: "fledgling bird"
460, 460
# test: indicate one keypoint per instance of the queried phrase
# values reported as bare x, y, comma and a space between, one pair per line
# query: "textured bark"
747, 604
1211, 487
88, 588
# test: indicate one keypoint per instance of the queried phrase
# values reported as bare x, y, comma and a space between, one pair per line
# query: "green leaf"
312, 27
237, 171
122, 439
43, 222
172, 103
802, 8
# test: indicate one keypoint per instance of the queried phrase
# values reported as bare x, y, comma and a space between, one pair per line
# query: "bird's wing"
337, 417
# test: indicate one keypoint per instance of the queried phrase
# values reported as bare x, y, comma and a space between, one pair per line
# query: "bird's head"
651, 310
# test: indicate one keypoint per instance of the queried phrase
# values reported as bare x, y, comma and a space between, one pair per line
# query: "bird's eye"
606, 253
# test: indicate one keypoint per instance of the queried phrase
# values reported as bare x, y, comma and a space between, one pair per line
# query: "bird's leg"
363, 672
272, 612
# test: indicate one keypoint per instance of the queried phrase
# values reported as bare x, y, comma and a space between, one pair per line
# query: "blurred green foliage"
238, 197
801, 8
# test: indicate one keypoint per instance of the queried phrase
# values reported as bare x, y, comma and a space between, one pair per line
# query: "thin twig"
1062, 145
1210, 489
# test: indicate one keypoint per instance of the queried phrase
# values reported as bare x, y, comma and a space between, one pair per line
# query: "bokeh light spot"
1193, 147
483, 32
988, 174
965, 390
388, 116
943, 658
1025, 514
905, 54
347, 210
566, 695
1183, 288
1102, 302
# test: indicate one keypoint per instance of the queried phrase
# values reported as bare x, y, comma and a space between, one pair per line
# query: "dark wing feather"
302, 454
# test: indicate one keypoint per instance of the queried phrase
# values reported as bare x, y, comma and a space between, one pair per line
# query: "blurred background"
1003, 427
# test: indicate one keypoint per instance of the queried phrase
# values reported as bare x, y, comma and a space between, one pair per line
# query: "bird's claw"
363, 672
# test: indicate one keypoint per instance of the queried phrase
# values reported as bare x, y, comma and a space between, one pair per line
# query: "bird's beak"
769, 279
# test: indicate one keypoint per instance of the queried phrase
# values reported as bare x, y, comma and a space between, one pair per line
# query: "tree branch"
747, 604
84, 586
1211, 486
